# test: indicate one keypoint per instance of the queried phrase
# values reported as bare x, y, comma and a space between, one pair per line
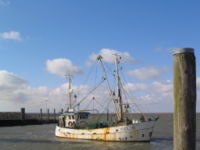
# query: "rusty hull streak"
106, 131
95, 134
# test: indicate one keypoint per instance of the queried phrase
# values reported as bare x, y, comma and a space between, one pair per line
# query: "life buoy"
71, 123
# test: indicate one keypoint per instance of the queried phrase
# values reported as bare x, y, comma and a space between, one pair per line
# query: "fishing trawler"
74, 123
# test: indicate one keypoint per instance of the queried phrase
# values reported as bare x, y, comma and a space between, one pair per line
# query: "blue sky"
32, 32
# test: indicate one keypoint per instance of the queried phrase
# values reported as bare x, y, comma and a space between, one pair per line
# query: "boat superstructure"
76, 125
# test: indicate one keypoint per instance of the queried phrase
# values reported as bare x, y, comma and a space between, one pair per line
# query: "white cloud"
136, 87
10, 86
108, 56
147, 72
153, 95
164, 88
12, 35
62, 66
15, 92
10, 80
4, 3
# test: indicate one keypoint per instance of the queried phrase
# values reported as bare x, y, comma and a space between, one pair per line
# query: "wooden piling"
48, 115
23, 114
40, 113
184, 99
54, 114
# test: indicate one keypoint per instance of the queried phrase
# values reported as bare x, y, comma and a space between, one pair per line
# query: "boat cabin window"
83, 116
71, 117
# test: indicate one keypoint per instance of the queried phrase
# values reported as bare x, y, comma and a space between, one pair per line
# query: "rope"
138, 108
87, 77
89, 93
87, 106
104, 108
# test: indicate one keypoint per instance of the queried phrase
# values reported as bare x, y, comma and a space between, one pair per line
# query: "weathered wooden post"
23, 114
41, 114
184, 99
54, 114
48, 114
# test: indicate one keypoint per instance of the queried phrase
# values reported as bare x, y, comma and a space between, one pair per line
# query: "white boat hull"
138, 132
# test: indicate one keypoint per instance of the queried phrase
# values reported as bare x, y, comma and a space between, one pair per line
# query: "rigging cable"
104, 108
89, 93
87, 77
134, 102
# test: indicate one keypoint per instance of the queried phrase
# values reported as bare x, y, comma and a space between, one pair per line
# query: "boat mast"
99, 58
119, 96
117, 102
70, 91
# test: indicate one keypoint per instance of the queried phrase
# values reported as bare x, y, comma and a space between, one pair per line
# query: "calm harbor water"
41, 137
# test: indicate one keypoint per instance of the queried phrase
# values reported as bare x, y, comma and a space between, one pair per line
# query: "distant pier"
23, 118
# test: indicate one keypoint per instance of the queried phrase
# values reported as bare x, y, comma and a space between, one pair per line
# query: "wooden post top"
183, 50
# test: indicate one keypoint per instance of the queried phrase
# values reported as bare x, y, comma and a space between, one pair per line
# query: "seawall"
19, 118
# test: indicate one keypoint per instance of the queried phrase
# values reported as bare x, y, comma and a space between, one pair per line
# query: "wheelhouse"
73, 119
